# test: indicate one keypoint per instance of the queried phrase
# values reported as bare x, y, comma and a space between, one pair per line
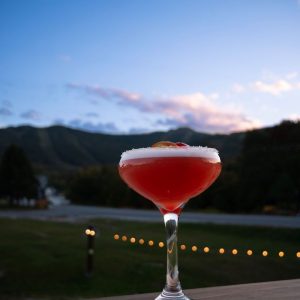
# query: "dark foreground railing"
277, 290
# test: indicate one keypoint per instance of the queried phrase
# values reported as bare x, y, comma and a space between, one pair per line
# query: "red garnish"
180, 144
164, 144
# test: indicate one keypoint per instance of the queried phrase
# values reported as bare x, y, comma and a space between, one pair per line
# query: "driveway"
74, 213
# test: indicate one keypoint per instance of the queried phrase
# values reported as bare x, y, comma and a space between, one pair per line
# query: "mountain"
62, 147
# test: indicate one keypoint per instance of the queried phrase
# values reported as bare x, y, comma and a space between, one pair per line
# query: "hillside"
62, 147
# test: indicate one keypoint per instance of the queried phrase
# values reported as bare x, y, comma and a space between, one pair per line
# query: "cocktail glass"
169, 177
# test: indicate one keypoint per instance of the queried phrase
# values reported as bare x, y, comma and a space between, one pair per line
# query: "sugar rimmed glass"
170, 177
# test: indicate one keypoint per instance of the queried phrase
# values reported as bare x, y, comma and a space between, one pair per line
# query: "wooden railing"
277, 290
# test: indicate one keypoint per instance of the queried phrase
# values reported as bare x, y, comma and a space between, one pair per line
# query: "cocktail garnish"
180, 144
164, 144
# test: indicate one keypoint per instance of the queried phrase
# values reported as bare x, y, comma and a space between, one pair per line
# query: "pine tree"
17, 178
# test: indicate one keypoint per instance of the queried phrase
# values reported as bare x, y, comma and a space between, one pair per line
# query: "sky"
134, 66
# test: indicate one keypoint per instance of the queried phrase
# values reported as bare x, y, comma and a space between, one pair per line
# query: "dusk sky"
137, 66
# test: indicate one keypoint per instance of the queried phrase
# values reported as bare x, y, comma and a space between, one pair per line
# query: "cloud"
197, 110
92, 115
275, 88
5, 112
31, 115
108, 127
5, 109
203, 114
105, 93
270, 84
275, 85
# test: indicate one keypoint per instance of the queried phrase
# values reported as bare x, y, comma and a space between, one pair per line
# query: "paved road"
74, 213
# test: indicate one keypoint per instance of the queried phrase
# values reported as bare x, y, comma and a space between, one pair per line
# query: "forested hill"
62, 147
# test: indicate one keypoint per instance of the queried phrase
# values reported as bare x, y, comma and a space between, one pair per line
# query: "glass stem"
172, 282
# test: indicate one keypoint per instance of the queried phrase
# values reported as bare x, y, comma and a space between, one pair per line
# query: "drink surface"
170, 177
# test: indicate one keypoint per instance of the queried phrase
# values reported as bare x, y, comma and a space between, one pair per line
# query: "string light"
249, 252
183, 247
206, 249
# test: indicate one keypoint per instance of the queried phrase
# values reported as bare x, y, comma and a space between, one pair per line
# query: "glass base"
172, 296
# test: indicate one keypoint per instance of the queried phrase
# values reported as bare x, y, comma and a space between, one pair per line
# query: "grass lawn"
46, 259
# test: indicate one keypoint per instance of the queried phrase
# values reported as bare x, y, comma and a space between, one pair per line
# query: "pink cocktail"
170, 177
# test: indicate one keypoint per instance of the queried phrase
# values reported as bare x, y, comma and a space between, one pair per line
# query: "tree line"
264, 177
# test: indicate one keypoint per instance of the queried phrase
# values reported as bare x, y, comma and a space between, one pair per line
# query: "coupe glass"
169, 177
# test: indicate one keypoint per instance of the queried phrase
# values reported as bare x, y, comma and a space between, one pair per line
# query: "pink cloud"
198, 111
106, 93
272, 84
275, 88
202, 113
